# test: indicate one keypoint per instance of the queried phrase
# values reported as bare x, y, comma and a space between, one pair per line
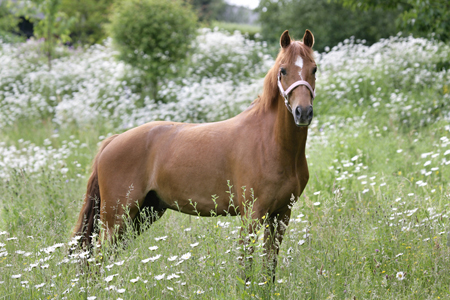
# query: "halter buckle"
286, 102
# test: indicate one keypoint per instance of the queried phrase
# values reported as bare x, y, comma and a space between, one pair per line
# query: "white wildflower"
110, 277
159, 277
171, 276
400, 275
134, 280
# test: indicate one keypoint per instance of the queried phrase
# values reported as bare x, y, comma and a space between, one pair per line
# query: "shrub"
153, 36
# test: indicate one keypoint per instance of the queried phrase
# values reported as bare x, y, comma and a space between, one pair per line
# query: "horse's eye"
314, 70
283, 71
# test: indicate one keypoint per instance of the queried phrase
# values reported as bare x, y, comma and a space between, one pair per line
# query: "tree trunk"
49, 48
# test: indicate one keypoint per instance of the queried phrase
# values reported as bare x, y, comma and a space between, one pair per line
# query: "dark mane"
289, 55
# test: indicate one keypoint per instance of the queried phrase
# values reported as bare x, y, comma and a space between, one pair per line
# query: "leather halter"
285, 94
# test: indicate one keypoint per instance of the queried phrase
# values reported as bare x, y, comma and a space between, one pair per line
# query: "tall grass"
371, 224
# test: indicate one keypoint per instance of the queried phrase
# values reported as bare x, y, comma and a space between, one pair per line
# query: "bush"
153, 36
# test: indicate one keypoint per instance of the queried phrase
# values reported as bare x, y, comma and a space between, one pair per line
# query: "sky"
246, 3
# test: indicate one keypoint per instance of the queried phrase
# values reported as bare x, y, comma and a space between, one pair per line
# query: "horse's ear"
308, 39
285, 39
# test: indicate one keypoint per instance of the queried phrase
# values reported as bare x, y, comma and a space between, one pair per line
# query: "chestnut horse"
178, 166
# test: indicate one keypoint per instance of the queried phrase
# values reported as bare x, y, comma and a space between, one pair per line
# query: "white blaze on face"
299, 63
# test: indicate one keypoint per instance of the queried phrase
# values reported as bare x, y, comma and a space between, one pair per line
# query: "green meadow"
372, 223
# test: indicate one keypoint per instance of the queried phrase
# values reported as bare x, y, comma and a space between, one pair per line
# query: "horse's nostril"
298, 111
310, 113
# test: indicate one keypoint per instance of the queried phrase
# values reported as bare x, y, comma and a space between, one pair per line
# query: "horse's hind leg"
116, 210
136, 212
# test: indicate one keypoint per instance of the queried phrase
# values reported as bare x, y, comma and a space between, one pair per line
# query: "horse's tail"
90, 211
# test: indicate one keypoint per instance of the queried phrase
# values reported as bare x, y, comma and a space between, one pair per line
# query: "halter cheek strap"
285, 94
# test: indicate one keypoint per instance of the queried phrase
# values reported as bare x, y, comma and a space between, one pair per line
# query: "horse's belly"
198, 189
192, 175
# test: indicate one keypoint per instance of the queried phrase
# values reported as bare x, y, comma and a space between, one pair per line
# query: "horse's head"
296, 76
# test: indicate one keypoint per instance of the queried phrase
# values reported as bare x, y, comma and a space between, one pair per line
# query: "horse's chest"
282, 183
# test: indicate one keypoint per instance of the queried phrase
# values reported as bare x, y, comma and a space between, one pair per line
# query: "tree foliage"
8, 21
75, 20
153, 35
50, 23
54, 25
422, 17
328, 20
207, 10
91, 16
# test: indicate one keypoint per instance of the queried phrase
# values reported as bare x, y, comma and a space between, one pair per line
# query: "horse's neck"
278, 124
290, 137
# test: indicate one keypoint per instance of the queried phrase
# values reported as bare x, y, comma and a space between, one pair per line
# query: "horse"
180, 166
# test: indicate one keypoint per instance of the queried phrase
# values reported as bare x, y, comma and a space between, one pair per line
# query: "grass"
371, 224
251, 30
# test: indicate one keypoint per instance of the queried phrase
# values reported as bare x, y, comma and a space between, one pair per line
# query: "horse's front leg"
248, 238
275, 228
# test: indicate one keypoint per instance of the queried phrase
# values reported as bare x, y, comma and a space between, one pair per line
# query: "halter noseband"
285, 94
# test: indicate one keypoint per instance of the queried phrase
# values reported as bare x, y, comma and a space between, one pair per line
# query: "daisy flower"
400, 275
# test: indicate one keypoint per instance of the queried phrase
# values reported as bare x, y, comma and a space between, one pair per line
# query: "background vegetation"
329, 20
418, 16
334, 20
91, 18
153, 36
372, 223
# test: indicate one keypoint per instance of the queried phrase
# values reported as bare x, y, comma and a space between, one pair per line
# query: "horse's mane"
287, 55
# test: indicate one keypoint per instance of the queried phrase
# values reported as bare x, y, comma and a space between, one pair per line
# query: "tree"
54, 25
423, 17
91, 16
49, 22
207, 10
153, 35
328, 20
8, 21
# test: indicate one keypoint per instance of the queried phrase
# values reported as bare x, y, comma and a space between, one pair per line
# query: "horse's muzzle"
303, 117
